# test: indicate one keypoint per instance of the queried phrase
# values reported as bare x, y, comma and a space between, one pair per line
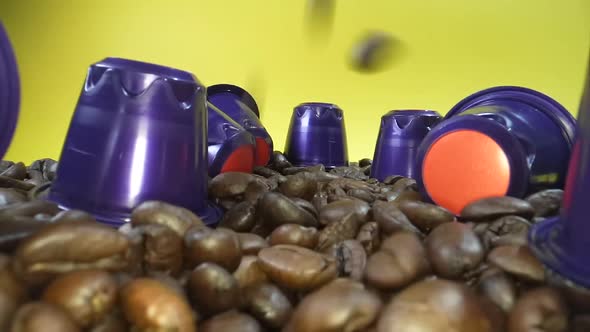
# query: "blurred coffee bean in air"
375, 51
319, 17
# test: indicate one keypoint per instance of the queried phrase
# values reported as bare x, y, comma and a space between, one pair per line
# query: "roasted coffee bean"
258, 187
351, 258
29, 209
14, 229
162, 249
229, 188
240, 218
425, 216
46, 168
499, 288
265, 171
72, 216
369, 237
580, 323
427, 306
362, 194
508, 230
8, 307
39, 316
404, 184
295, 234
297, 268
250, 272
230, 321
268, 304
400, 261
300, 186
546, 203
40, 191
176, 285
112, 323
220, 246
341, 305
8, 182
319, 200
276, 209
301, 169
149, 305
391, 219
454, 249
336, 211
351, 172
518, 261
87, 296
495, 315
542, 309
17, 171
278, 161
5, 164
213, 289
578, 297
365, 162
344, 229
306, 205
251, 244
63, 247
492, 208
177, 218
10, 196
10, 284
392, 179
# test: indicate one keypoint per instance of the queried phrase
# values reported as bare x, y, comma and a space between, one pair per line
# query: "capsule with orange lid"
500, 141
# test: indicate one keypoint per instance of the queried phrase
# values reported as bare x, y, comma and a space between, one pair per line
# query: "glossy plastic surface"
317, 135
138, 133
9, 91
535, 132
400, 134
562, 243
239, 105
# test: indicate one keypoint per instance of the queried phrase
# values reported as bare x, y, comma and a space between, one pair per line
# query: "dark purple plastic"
239, 105
9, 91
535, 132
317, 135
562, 243
138, 133
224, 137
400, 134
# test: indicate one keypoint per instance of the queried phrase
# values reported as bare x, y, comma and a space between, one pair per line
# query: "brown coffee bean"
304, 169
265, 171
499, 288
350, 172
150, 305
306, 205
14, 229
297, 268
496, 316
251, 244
39, 316
518, 261
336, 211
240, 218
391, 219
400, 261
229, 185
5, 164
337, 231
29, 209
362, 194
546, 203
46, 168
220, 246
541, 310
580, 323
319, 200
300, 185
434, 305
365, 162
369, 237
112, 323
176, 218
176, 285
577, 296
508, 230
276, 209
8, 182
404, 184
230, 321
295, 234
73, 215
258, 187
425, 216
341, 305
492, 208
8, 307
17, 171
64, 247
250, 272
268, 304
10, 196
213, 289
454, 249
278, 161
351, 258
87, 296
162, 249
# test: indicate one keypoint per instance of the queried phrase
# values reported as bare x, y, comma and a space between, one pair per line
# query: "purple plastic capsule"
499, 141
400, 134
9, 91
317, 135
562, 243
138, 133
230, 147
239, 105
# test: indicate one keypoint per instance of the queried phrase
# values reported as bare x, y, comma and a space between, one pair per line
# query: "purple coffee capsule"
562, 242
239, 105
500, 141
317, 135
230, 147
400, 134
9, 91
138, 133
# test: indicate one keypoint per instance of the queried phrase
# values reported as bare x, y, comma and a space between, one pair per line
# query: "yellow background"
451, 49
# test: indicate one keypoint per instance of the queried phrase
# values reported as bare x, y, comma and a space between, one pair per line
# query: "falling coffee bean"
251, 244
295, 234
220, 246
213, 289
268, 304
425, 216
546, 203
542, 309
492, 208
374, 52
230, 321
39, 316
176, 218
518, 261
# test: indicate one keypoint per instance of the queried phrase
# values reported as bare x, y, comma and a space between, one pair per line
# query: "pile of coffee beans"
299, 249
